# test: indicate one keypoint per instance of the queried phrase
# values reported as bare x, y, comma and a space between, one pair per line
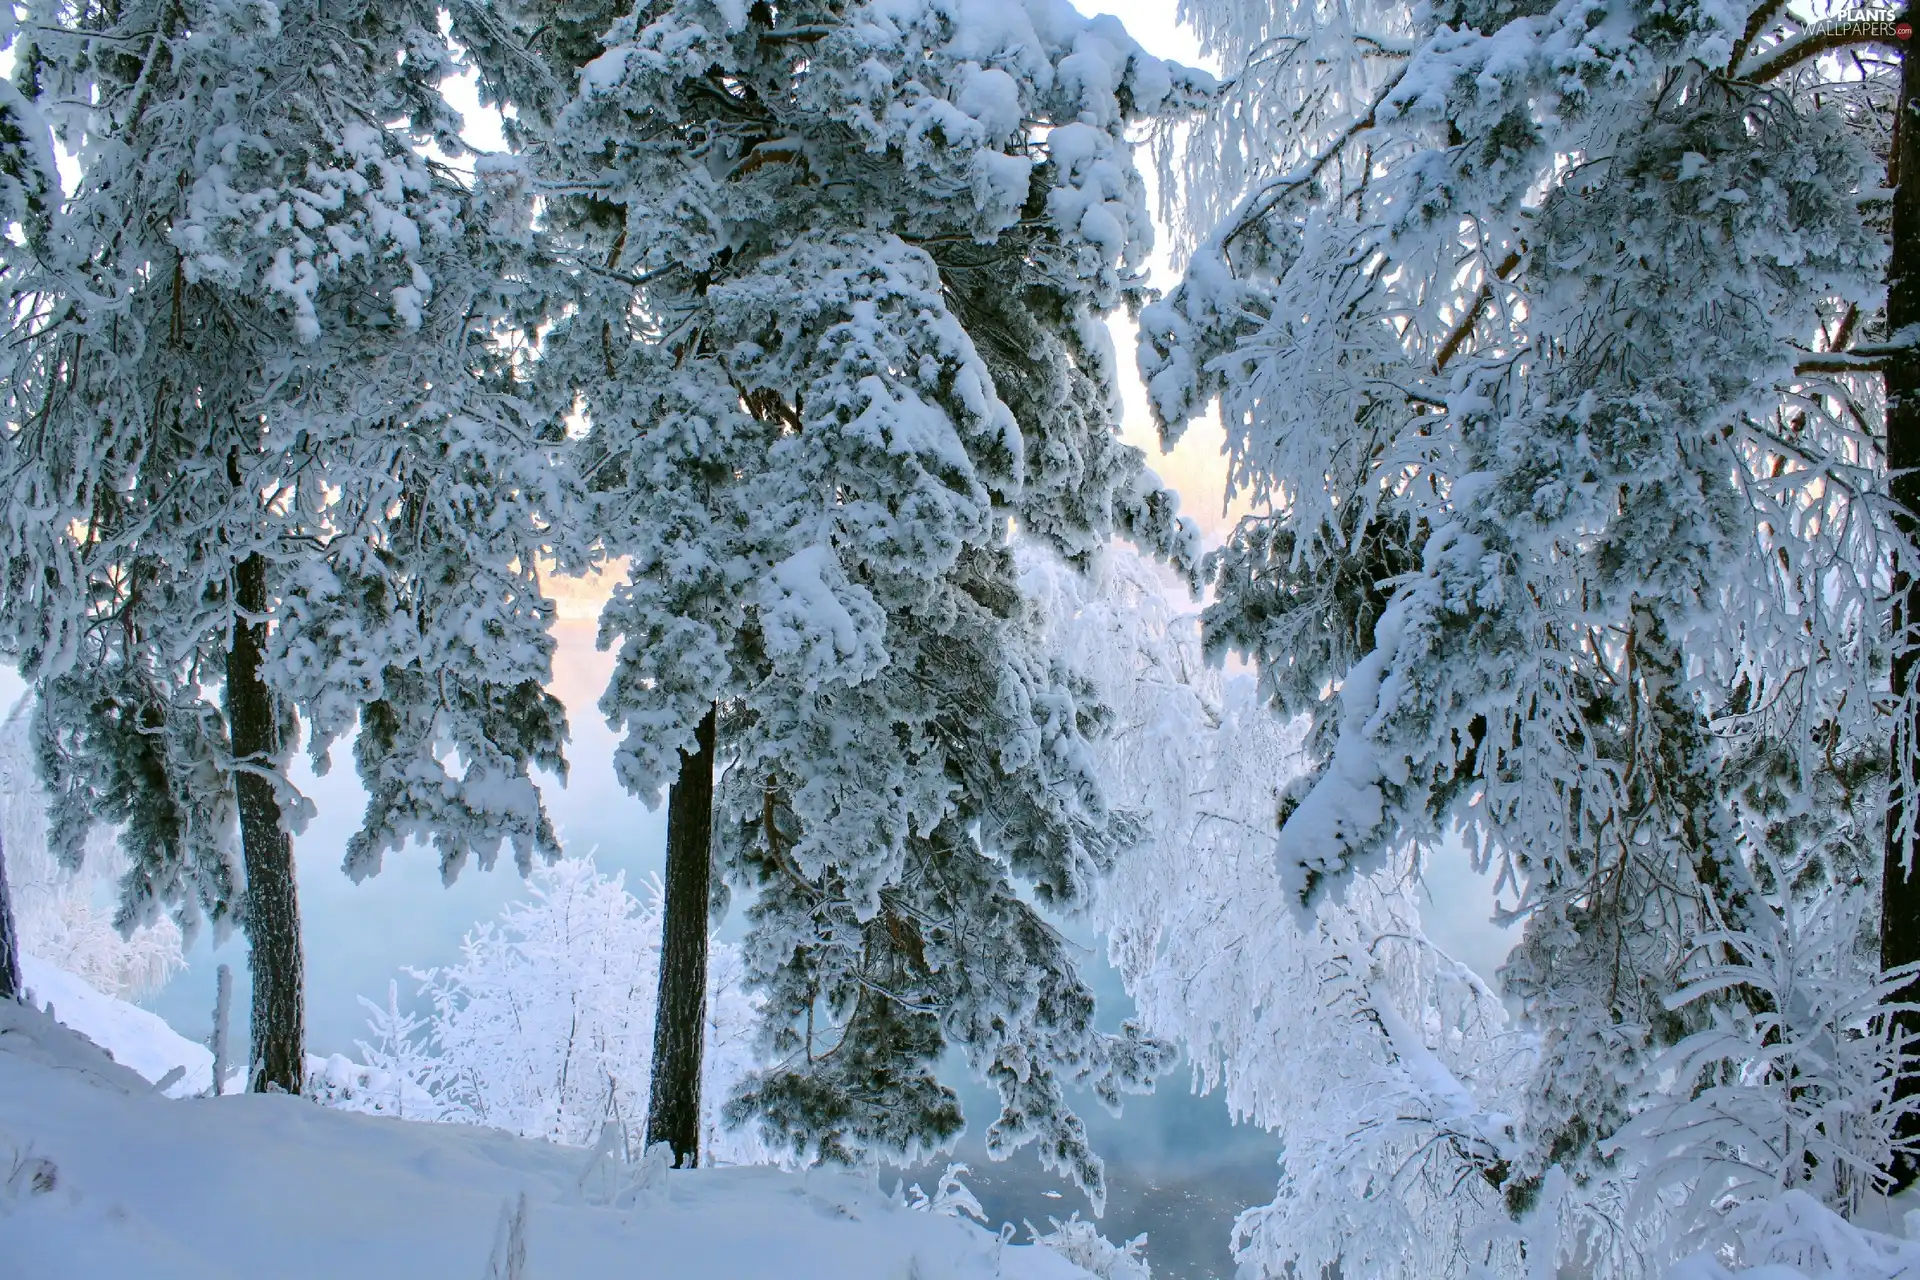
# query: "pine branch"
1258, 206
1868, 359
796, 35
1451, 347
1756, 23
1789, 54
1858, 360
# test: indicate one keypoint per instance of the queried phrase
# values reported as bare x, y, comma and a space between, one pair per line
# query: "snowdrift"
132, 1036
101, 1177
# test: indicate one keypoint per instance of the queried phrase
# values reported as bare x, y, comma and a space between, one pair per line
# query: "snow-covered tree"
29, 187
59, 908
1791, 46
1569, 534
263, 438
842, 271
1384, 1067
544, 1027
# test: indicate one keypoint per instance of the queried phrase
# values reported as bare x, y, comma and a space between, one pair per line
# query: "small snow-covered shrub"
27, 1174
339, 1081
1081, 1244
951, 1197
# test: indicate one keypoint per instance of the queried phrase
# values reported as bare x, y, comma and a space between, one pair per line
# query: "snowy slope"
134, 1037
101, 1178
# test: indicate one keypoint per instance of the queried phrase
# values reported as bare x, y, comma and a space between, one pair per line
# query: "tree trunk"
278, 1059
1900, 879
10, 988
679, 1024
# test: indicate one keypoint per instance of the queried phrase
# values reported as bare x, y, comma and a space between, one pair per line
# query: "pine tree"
1566, 540
10, 988
1900, 865
267, 443
673, 1105
29, 187
841, 269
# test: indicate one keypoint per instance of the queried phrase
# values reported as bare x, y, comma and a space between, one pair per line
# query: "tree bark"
680, 1018
1900, 875
272, 920
10, 982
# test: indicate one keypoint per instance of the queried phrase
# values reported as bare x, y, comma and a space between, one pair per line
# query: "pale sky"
1195, 469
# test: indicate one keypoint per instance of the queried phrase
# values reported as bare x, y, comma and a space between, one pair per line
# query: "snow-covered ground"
102, 1177
134, 1037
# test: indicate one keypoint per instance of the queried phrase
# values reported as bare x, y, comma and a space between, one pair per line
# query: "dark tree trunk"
272, 919
1900, 882
679, 1025
9, 940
